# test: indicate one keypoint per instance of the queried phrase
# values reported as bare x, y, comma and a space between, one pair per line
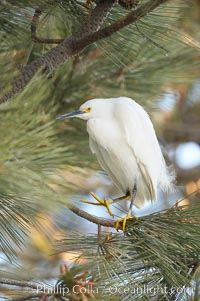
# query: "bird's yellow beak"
70, 115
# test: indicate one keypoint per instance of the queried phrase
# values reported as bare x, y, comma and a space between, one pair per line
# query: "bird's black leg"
125, 197
124, 219
133, 197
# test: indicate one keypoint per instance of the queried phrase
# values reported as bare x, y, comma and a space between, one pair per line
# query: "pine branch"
89, 33
19, 283
36, 293
61, 53
91, 218
159, 251
111, 223
34, 36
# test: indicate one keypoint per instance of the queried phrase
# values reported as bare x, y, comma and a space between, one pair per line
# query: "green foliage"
31, 156
157, 257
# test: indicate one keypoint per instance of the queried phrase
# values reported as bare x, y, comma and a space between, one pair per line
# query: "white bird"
122, 137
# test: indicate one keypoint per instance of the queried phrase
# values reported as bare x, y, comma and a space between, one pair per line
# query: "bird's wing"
105, 158
92, 145
139, 134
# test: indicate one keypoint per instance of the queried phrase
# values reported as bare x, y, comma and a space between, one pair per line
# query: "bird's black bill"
69, 115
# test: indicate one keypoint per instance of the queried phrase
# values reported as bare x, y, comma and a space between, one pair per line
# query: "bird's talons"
101, 202
123, 220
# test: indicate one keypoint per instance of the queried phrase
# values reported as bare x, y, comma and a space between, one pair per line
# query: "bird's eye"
88, 110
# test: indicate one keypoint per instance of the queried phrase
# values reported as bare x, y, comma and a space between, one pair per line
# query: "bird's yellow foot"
101, 202
123, 220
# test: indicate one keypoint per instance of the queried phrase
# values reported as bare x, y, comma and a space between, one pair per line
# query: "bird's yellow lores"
122, 137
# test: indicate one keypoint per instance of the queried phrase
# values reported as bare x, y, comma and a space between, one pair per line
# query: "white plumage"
122, 137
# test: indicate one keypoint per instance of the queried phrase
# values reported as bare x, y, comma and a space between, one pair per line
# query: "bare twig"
35, 38
89, 33
91, 218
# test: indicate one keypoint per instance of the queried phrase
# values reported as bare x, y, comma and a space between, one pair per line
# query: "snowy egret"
122, 137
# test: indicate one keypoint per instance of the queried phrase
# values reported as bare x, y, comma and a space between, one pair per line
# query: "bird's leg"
101, 202
106, 203
124, 219
125, 197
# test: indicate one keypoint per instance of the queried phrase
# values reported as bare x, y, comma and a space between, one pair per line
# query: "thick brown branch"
81, 39
128, 19
91, 218
35, 38
61, 53
95, 19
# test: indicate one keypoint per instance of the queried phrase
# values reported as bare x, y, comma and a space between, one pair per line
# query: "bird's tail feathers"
167, 179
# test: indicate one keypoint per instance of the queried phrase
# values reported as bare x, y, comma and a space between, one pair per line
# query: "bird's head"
90, 109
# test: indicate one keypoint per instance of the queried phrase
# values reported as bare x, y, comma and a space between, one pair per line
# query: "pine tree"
55, 55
